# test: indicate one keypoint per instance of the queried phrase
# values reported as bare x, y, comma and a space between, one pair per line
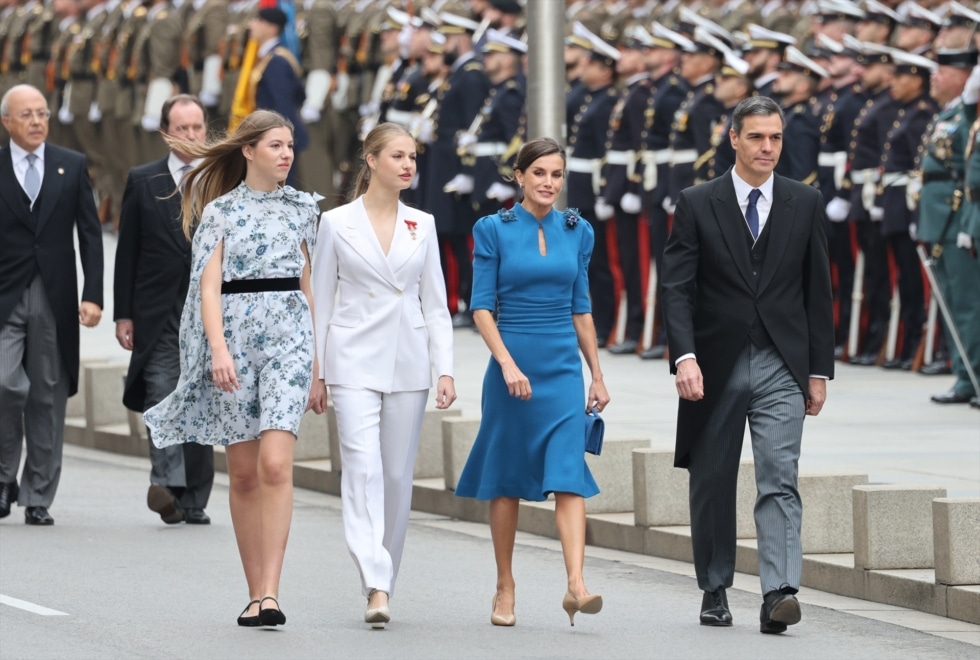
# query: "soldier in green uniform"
232, 51
8, 11
157, 56
57, 74
316, 27
114, 172
206, 28
122, 69
943, 217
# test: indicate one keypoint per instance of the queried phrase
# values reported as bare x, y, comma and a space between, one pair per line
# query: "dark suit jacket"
281, 89
153, 265
43, 243
710, 299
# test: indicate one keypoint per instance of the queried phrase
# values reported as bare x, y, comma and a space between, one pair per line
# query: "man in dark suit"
750, 326
45, 195
153, 263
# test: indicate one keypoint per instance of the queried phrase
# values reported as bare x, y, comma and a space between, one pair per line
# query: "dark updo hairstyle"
535, 149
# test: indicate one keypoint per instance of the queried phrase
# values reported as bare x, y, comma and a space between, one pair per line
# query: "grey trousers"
762, 390
33, 397
188, 469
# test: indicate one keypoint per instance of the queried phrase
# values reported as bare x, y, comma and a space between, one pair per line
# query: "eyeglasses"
42, 115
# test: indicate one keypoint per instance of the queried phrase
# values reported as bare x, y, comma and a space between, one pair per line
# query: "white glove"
838, 209
877, 214
912, 191
94, 114
964, 240
309, 115
65, 116
339, 98
461, 184
209, 99
914, 231
501, 192
603, 211
426, 131
669, 206
464, 140
150, 123
631, 203
368, 109
971, 91
367, 125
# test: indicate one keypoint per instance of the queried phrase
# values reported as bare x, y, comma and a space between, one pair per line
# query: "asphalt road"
130, 587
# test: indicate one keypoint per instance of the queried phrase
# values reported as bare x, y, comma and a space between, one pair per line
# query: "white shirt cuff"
686, 356
820, 377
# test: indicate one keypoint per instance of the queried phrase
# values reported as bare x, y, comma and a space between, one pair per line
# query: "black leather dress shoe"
936, 368
163, 502
951, 397
778, 611
196, 517
714, 609
462, 320
653, 353
865, 359
838, 352
898, 363
626, 347
975, 402
8, 496
37, 515
601, 340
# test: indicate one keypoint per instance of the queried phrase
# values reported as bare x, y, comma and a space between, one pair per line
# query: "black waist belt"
257, 286
82, 76
928, 177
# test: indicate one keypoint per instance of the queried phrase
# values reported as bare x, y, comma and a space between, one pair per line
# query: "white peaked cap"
841, 7
758, 36
502, 42
457, 21
796, 59
688, 16
875, 7
904, 59
597, 45
666, 34
735, 64
956, 9
827, 43
922, 14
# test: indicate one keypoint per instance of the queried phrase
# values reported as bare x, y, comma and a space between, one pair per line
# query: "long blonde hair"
374, 142
223, 166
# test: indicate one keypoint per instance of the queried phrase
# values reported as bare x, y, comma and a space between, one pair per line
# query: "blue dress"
528, 449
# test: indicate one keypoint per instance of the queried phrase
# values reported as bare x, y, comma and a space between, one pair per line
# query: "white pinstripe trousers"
761, 390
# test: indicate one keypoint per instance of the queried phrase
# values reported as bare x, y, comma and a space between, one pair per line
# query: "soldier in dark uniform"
918, 30
838, 107
732, 86
969, 238
943, 219
878, 23
764, 53
668, 91
622, 178
864, 156
588, 107
903, 143
447, 182
796, 86
694, 120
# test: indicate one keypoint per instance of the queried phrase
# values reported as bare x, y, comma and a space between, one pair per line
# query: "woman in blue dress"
246, 338
530, 266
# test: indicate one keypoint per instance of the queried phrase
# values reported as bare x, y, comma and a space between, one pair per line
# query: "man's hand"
690, 384
124, 334
817, 396
89, 314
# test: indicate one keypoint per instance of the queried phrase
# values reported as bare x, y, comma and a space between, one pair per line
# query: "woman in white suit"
383, 328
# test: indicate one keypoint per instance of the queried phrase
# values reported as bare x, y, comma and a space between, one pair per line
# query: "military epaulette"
424, 98
162, 15
139, 12
512, 84
473, 66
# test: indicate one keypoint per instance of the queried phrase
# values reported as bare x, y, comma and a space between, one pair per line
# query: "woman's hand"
223, 371
318, 397
598, 397
445, 392
517, 383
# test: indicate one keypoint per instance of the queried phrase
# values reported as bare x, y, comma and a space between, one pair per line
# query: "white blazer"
381, 322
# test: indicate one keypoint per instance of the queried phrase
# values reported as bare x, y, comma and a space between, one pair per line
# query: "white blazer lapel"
357, 233
407, 238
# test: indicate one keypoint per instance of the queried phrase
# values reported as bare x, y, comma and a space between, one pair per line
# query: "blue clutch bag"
595, 428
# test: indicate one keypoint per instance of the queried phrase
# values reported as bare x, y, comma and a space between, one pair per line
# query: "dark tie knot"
754, 195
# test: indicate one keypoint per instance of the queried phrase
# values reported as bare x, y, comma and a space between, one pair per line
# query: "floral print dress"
269, 333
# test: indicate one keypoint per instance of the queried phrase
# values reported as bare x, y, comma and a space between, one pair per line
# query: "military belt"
890, 179
590, 166
403, 117
483, 149
930, 177
869, 175
683, 156
626, 158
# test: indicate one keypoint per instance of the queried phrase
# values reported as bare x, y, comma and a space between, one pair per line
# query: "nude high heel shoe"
590, 604
377, 616
500, 619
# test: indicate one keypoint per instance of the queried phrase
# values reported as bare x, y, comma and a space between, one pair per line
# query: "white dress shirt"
176, 166
763, 206
18, 156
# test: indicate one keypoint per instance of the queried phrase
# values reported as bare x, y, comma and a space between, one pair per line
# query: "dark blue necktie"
752, 213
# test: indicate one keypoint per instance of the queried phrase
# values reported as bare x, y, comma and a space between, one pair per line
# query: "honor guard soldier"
423, 104
587, 112
491, 148
413, 82
918, 30
864, 156
732, 86
796, 86
971, 240
839, 106
110, 127
959, 27
780, 16
878, 23
903, 142
200, 55
835, 18
232, 53
389, 70
764, 53
943, 217
16, 45
448, 183
733, 14
12, 14
316, 29
157, 56
36, 47
669, 90
622, 179
122, 69
57, 74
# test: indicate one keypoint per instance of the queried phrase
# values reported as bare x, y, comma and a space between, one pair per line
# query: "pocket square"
595, 428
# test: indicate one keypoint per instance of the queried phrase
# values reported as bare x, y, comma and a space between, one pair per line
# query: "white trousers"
379, 438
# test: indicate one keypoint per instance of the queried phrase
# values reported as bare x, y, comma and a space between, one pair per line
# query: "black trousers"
910, 292
629, 262
601, 288
842, 257
876, 292
458, 245
657, 218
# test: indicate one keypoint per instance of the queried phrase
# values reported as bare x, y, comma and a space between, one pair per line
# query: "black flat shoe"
249, 621
627, 347
653, 353
714, 609
905, 364
865, 359
779, 610
975, 402
936, 368
271, 617
196, 517
951, 397
37, 515
8, 497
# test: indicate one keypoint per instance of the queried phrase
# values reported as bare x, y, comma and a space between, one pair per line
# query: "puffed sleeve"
486, 264
580, 290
